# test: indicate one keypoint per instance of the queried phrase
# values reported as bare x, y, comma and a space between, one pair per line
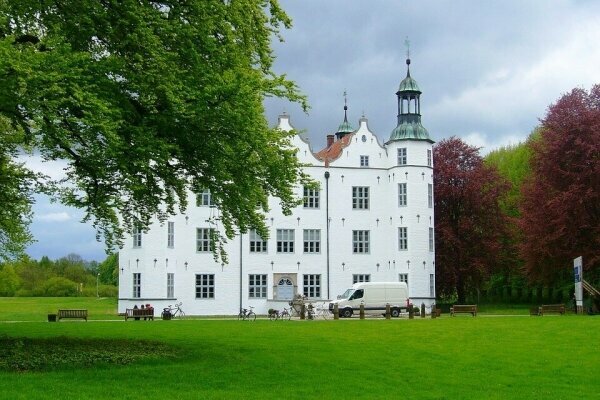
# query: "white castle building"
371, 220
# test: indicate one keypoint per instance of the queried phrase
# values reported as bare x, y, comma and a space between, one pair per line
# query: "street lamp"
97, 284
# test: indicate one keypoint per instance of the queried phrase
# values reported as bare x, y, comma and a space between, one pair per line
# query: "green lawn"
506, 357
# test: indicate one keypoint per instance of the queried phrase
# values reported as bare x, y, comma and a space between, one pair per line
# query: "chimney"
330, 140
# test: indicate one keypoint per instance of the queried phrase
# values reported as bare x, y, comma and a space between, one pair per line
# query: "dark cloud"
486, 69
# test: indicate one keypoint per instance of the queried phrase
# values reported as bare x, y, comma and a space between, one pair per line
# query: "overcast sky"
488, 71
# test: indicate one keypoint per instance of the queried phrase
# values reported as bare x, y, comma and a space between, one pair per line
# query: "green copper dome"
345, 127
410, 130
408, 84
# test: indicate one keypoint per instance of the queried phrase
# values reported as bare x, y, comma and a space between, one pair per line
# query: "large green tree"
148, 100
16, 194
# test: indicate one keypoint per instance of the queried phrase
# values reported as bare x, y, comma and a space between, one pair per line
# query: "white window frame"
360, 197
402, 156
402, 238
357, 278
204, 199
403, 278
312, 241
360, 242
364, 161
170, 285
170, 234
256, 243
285, 240
205, 286
402, 194
137, 285
257, 286
431, 285
137, 237
311, 197
430, 195
311, 287
431, 240
429, 158
203, 240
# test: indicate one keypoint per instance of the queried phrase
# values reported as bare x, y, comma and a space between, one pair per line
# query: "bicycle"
170, 312
276, 314
247, 314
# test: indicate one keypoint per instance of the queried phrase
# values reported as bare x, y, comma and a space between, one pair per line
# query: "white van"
375, 296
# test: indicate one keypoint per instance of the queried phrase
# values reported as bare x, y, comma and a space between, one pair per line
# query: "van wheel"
347, 312
395, 312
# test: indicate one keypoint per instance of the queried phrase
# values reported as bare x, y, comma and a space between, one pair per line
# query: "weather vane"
407, 44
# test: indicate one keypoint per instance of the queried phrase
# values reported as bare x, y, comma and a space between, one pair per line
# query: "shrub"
59, 287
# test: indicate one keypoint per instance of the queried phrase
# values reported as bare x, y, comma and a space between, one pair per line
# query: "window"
360, 197
364, 161
205, 286
312, 286
431, 243
137, 285
429, 158
137, 237
430, 195
402, 195
403, 238
170, 234
285, 240
257, 286
204, 199
402, 156
431, 285
203, 239
257, 243
170, 285
403, 278
356, 278
312, 241
360, 241
311, 198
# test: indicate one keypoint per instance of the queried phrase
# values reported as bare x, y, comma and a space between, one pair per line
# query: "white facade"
388, 239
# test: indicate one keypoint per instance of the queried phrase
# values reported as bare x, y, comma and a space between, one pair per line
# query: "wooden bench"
534, 311
83, 314
549, 308
463, 308
146, 313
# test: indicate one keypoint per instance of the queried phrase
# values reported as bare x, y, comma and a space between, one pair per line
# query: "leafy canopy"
147, 101
469, 223
561, 199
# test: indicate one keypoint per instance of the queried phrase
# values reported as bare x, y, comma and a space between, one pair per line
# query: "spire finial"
345, 106
407, 44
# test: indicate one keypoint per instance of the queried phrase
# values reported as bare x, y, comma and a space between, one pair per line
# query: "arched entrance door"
285, 289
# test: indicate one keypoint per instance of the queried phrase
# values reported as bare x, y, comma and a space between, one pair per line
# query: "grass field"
505, 357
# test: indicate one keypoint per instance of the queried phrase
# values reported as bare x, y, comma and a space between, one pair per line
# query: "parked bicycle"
276, 314
246, 314
170, 312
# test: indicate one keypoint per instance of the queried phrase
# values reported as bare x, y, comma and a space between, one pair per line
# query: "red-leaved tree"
469, 225
561, 199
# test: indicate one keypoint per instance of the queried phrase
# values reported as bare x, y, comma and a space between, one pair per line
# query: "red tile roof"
333, 152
